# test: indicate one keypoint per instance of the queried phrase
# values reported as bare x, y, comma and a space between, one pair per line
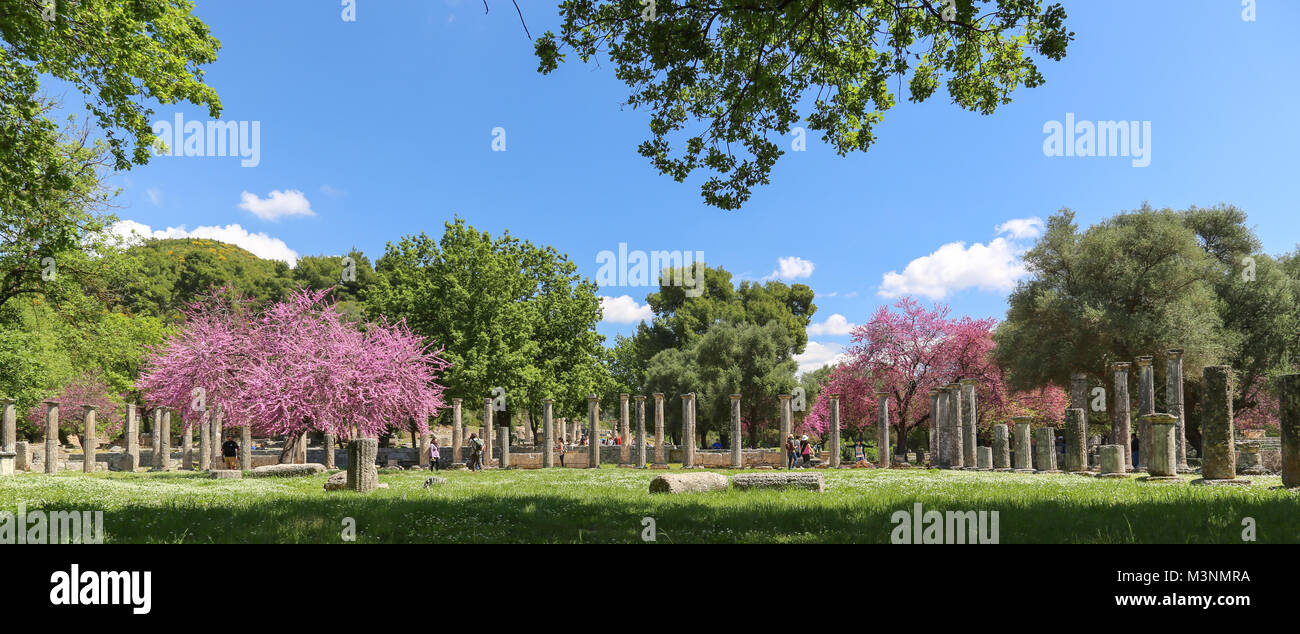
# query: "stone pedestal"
1112, 459
883, 448
1250, 462
1289, 410
363, 476
640, 432
22, 456
51, 437
737, 442
89, 447
1024, 446
593, 433
7, 461
1001, 448
1121, 431
1163, 461
660, 458
1076, 440
969, 422
834, 431
984, 458
1046, 450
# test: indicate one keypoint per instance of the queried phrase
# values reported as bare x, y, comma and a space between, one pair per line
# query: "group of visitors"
798, 452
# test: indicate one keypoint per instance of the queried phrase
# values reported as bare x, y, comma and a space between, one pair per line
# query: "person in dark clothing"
230, 452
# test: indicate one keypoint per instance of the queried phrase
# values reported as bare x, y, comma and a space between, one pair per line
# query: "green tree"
721, 78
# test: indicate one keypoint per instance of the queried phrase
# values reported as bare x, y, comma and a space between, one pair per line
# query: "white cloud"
817, 354
953, 267
276, 205
791, 268
624, 310
1021, 228
155, 196
836, 324
259, 244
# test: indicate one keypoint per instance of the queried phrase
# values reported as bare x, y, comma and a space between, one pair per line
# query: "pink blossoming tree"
86, 389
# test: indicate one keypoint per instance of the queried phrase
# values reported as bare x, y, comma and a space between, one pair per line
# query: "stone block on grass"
287, 470
688, 482
809, 481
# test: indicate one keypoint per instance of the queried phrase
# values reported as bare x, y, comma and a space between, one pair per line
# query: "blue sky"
382, 127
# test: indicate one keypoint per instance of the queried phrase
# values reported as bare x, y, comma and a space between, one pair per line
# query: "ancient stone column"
1111, 458
1076, 440
548, 433
457, 430
205, 445
593, 431
155, 435
834, 432
1122, 432
624, 452
883, 449
486, 429
1174, 401
1163, 463
165, 443
1289, 414
969, 420
561, 430
1078, 391
131, 431
787, 424
688, 431
328, 455
956, 434
944, 452
660, 457
88, 448
503, 430
422, 446
245, 448
1146, 406
214, 445
1001, 448
1024, 446
737, 444
9, 427
1218, 449
934, 429
1046, 450
984, 458
51, 436
640, 432
187, 448
363, 476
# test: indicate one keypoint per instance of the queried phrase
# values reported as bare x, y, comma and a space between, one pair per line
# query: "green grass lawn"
607, 505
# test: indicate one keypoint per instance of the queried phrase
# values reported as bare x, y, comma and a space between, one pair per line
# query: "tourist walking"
475, 452
434, 455
791, 451
230, 452
805, 451
860, 455
560, 449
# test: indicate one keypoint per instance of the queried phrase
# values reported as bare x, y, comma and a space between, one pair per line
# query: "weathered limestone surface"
936, 453
659, 431
1146, 406
737, 443
362, 476
968, 422
485, 431
593, 433
1046, 450
640, 432
165, 441
328, 459
187, 449
688, 482
1024, 446
1219, 451
1289, 407
131, 431
225, 474
688, 431
1163, 462
504, 432
88, 449
245, 448
1174, 401
1112, 461
51, 436
287, 470
1076, 440
457, 430
9, 426
1078, 391
787, 421
1001, 447
1121, 431
882, 431
802, 480
7, 459
956, 434
22, 455
984, 458
835, 431
155, 437
624, 453
205, 446
548, 433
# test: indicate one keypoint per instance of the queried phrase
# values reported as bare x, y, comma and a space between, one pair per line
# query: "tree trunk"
900, 449
290, 449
